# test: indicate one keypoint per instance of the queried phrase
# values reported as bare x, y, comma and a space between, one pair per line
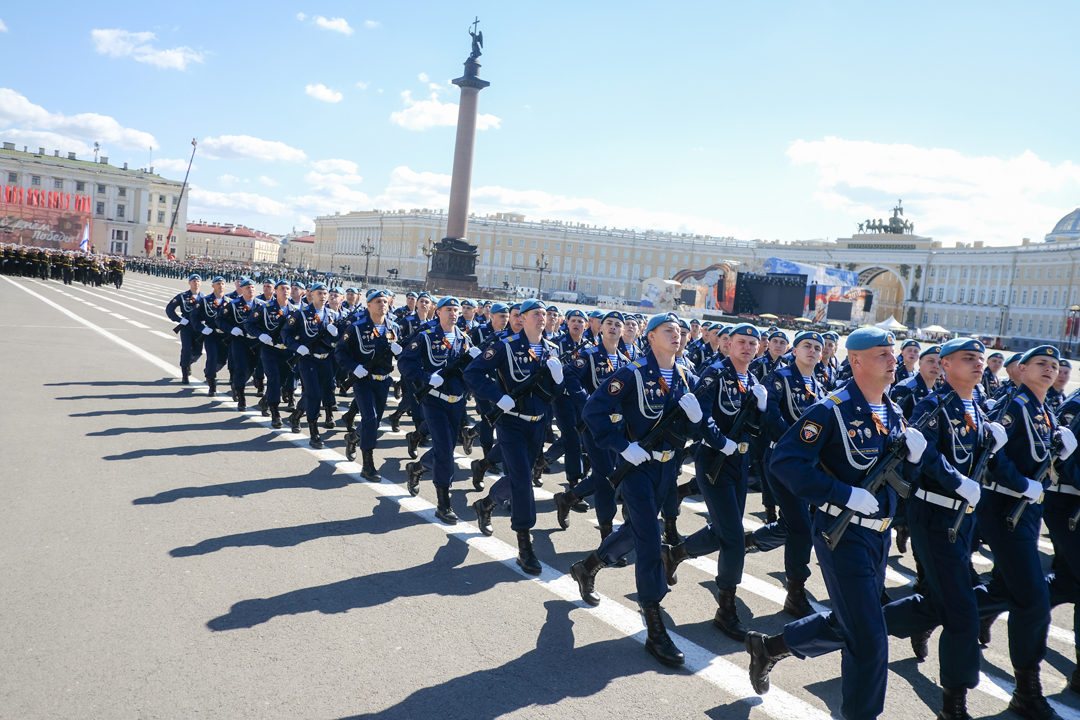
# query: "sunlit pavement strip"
728, 677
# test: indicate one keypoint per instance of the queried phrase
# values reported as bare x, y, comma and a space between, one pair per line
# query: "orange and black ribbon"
879, 425
663, 385
969, 422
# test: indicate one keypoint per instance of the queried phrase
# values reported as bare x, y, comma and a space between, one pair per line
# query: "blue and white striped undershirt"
667, 375
879, 410
537, 349
969, 408
381, 329
744, 379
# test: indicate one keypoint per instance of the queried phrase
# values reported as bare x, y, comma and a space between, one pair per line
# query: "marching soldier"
777, 345
828, 370
1055, 396
243, 348
910, 392
499, 317
990, 382
1061, 506
266, 322
309, 332
905, 363
567, 415
179, 310
204, 321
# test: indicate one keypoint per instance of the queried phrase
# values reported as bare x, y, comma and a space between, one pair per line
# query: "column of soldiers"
929, 440
66, 266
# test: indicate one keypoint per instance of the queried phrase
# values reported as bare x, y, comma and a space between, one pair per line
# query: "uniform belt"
869, 523
1003, 490
527, 418
664, 456
1064, 489
378, 377
943, 500
444, 396
615, 417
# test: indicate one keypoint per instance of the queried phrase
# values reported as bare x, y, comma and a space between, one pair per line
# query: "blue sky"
776, 121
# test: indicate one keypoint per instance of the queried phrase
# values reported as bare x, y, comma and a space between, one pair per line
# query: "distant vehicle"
570, 296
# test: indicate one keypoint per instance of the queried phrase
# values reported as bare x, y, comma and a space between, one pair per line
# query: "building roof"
303, 239
9, 151
1070, 224
230, 230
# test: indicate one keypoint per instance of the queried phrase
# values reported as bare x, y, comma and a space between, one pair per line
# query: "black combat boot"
395, 420
770, 514
538, 470
443, 510
953, 704
796, 603
368, 471
350, 445
920, 644
1074, 681
294, 419
563, 502
483, 508
290, 402
584, 572
686, 490
579, 505
750, 544
526, 558
397, 391
275, 416
671, 531
329, 422
413, 439
1027, 699
658, 642
765, 652
185, 374
414, 472
902, 536
671, 557
984, 630
315, 441
479, 467
264, 407
211, 388
605, 530
258, 383
241, 401
349, 418
727, 616
468, 437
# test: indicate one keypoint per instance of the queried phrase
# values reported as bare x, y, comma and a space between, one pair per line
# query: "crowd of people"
67, 266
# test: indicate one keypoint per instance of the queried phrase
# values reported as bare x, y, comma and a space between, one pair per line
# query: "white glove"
474, 351
183, 321
1000, 436
916, 443
862, 502
237, 331
555, 367
1034, 490
360, 372
435, 380
691, 407
266, 339
206, 330
395, 348
1068, 443
729, 447
634, 454
332, 329
506, 403
970, 491
302, 350
991, 403
762, 396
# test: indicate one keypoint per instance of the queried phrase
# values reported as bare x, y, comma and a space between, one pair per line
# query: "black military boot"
241, 401
686, 490
397, 391
538, 470
329, 422
984, 630
290, 402
902, 536
483, 508
395, 420
579, 505
315, 441
468, 437
294, 419
185, 374
563, 502
727, 616
584, 572
920, 644
368, 471
349, 418
275, 416
796, 603
414, 471
1027, 699
671, 531
671, 557
770, 514
953, 704
264, 407
750, 543
658, 642
526, 558
258, 383
211, 387
413, 439
443, 510
479, 467
350, 445
605, 530
765, 652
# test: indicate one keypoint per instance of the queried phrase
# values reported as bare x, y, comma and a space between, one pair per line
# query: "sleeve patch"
1007, 421
615, 387
414, 346
579, 363
810, 432
489, 353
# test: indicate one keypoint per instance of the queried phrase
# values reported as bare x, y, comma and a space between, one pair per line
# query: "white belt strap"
942, 500
868, 523
663, 456
443, 396
528, 418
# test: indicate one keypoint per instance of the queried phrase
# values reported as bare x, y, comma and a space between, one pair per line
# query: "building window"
935, 318
487, 257
498, 242
177, 200
1038, 275
924, 318
161, 198
100, 189
1013, 300
963, 290
1040, 327
965, 317
1023, 298
964, 275
533, 244
100, 208
521, 258
986, 323
1046, 293
933, 272
997, 324
1010, 325
588, 286
498, 257
122, 192
517, 279
119, 211
1027, 273
558, 247
1055, 296
589, 268
80, 186
1030, 324
577, 266
602, 269
592, 249
951, 295
581, 249
993, 296
12, 177
982, 297
35, 180
161, 216
648, 271
941, 293
58, 184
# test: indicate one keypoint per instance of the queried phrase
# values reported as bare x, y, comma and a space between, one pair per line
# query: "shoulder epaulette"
836, 398
639, 363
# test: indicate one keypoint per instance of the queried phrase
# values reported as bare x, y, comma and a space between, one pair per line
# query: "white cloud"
363, 85
426, 114
340, 25
121, 43
321, 92
15, 108
34, 139
210, 200
245, 147
3, 27
335, 165
331, 180
949, 196
228, 180
372, 24
301, 16
424, 77
170, 165
269, 182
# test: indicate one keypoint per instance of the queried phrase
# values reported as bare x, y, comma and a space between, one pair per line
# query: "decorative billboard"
36, 218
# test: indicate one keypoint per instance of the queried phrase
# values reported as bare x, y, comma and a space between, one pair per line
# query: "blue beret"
194, 276
410, 294
909, 343
217, 279
772, 328
468, 303
297, 283
615, 315
808, 335
657, 320
1012, 358
500, 308
424, 295
723, 330
574, 313
246, 282
695, 321
1065, 363
832, 335
532, 304
746, 329
1042, 350
596, 314
317, 286
932, 350
777, 333
282, 282
552, 308
708, 324
684, 325
375, 294
244, 277
268, 281
338, 289
448, 301
995, 355
870, 337
958, 344
486, 303
351, 289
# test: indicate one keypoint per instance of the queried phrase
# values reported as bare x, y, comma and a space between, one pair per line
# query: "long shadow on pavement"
263, 443
321, 477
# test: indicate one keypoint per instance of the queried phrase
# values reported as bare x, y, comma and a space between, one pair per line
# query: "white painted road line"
162, 335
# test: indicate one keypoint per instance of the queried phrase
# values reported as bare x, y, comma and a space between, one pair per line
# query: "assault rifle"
380, 356
457, 367
527, 387
886, 471
296, 356
748, 407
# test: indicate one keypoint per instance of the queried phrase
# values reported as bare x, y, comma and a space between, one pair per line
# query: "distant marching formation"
68, 266
929, 442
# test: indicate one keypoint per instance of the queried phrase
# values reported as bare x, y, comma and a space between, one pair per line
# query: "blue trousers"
243, 358
190, 346
791, 529
603, 465
316, 377
726, 501
520, 442
1017, 580
1058, 509
642, 490
854, 575
567, 419
947, 598
443, 421
216, 355
486, 431
276, 367
369, 397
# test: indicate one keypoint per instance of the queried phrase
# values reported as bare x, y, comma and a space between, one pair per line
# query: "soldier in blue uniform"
910, 392
422, 363
828, 370
467, 321
1062, 504
777, 345
266, 322
497, 377
366, 350
906, 360
725, 494
421, 317
204, 321
792, 390
824, 459
298, 294
178, 310
243, 347
310, 332
568, 415
498, 318
702, 355
407, 309
642, 394
1055, 396
1012, 380
990, 382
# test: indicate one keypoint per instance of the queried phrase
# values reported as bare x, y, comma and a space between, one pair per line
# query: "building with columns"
231, 243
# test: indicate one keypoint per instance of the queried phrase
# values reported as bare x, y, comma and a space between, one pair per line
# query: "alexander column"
453, 266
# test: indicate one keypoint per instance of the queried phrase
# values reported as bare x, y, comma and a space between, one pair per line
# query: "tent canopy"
891, 324
935, 329
768, 315
801, 320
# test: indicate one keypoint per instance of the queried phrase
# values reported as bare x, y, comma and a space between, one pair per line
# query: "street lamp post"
428, 252
367, 248
541, 265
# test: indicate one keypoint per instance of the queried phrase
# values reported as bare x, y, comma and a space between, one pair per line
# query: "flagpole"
180, 200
